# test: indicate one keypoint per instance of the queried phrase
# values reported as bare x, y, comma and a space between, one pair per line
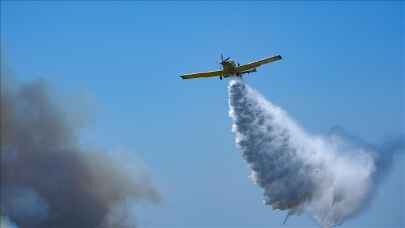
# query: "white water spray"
298, 172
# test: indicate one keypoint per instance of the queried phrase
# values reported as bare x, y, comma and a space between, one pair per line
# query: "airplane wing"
202, 74
258, 63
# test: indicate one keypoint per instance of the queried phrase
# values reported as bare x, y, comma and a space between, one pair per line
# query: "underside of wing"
202, 74
258, 63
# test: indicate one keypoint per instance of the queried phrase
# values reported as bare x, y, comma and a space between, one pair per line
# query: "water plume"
298, 172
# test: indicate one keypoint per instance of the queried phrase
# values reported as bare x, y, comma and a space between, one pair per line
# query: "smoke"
48, 179
6, 223
329, 177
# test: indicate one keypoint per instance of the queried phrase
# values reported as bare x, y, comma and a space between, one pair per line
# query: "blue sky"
343, 65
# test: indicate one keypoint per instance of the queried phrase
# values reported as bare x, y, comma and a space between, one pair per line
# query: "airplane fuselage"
231, 69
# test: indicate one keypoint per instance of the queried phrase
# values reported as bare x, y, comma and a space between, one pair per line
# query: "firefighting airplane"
230, 68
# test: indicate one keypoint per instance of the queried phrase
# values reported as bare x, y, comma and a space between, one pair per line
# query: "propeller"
223, 60
221, 63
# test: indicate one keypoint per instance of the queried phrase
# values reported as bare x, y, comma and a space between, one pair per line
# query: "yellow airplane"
230, 68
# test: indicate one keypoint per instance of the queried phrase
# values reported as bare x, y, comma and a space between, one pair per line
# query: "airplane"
230, 68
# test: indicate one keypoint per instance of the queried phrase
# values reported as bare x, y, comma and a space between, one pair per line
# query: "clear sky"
343, 65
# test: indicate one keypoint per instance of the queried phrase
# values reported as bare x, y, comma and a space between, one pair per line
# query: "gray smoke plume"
299, 172
48, 179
